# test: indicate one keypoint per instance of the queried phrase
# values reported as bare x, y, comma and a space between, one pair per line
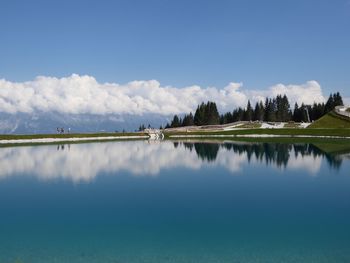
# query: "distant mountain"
48, 122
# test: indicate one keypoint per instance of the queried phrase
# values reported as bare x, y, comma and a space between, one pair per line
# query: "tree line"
275, 109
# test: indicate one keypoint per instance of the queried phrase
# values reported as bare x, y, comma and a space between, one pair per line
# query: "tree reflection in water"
270, 153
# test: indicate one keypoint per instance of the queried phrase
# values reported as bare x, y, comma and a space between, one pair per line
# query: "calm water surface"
139, 201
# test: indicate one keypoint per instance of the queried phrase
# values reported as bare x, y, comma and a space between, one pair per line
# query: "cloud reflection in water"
83, 162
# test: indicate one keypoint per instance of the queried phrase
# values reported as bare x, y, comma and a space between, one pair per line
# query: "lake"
174, 201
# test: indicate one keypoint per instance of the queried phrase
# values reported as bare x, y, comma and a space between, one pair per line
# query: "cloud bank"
84, 95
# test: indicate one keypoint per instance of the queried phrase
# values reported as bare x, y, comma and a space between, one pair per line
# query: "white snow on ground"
265, 125
47, 140
342, 110
304, 124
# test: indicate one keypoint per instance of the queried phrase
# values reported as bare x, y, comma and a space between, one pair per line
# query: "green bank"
308, 132
67, 135
332, 121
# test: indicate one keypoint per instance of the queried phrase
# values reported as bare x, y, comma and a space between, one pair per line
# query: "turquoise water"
139, 201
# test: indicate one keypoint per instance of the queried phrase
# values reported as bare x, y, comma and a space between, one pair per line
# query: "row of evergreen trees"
206, 114
272, 110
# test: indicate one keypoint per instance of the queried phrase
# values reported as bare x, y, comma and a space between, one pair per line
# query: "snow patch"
266, 125
304, 124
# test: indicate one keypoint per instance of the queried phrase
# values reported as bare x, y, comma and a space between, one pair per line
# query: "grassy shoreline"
67, 135
283, 132
315, 132
7, 140
263, 135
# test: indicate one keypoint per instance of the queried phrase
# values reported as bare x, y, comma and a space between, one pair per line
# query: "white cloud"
346, 101
83, 94
307, 93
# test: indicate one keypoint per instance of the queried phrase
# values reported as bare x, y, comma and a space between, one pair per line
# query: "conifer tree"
282, 109
259, 111
212, 114
270, 110
237, 114
329, 104
296, 113
188, 120
199, 116
333, 101
175, 122
338, 100
248, 113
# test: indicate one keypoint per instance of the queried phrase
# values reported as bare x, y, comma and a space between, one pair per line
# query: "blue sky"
179, 43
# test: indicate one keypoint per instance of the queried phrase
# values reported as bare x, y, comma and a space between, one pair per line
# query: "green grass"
62, 136
331, 120
345, 143
286, 132
12, 144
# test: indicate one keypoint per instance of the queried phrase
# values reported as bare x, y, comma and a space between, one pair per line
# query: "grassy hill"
331, 120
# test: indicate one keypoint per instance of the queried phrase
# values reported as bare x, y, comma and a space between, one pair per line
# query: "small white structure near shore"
154, 134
